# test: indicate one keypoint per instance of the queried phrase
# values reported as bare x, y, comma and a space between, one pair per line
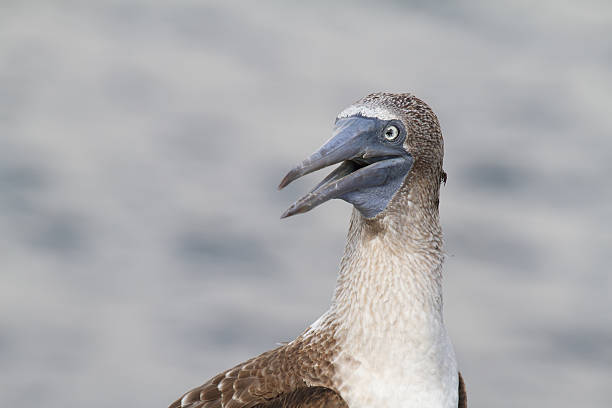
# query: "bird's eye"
391, 133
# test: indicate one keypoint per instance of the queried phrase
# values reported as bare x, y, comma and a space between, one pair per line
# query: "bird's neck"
390, 277
392, 348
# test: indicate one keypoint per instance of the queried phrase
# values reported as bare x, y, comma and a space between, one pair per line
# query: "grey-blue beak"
373, 167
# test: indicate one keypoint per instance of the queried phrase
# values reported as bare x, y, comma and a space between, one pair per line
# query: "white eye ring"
391, 133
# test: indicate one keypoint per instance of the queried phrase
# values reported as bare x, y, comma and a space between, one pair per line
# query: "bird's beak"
372, 169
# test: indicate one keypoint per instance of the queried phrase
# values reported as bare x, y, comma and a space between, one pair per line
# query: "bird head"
387, 144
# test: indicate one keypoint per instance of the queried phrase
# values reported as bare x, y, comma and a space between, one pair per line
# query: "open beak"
372, 169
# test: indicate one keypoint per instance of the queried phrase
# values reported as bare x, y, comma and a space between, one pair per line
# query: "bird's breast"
399, 376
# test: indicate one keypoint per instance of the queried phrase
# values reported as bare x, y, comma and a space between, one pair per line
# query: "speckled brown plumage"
310, 397
282, 377
311, 371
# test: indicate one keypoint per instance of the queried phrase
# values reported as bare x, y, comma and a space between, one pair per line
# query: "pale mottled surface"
141, 146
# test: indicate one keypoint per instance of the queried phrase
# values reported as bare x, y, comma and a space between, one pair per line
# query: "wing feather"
286, 377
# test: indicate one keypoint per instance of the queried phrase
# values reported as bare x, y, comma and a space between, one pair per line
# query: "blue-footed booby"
382, 343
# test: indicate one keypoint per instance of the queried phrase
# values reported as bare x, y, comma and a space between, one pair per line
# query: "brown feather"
311, 397
288, 376
462, 393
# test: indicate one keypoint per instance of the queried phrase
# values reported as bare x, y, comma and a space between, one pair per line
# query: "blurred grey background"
141, 143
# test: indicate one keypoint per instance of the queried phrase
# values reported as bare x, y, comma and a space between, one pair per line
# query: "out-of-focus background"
141, 143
